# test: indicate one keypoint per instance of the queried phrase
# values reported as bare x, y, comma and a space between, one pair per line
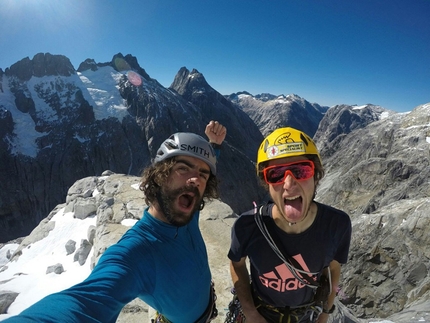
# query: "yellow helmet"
286, 142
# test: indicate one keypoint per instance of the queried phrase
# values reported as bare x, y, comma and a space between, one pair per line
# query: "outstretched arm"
216, 132
99, 298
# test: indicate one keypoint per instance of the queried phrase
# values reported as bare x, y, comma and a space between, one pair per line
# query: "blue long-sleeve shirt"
165, 266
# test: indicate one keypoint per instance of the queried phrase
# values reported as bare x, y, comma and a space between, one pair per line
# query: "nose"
289, 179
194, 181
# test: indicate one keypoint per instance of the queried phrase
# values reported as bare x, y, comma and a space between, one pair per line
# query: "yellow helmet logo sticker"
285, 149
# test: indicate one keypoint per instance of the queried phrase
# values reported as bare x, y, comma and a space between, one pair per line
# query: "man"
294, 244
162, 259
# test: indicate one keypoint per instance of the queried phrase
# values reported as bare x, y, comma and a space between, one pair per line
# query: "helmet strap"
202, 205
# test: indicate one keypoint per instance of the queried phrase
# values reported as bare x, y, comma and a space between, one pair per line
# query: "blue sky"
328, 52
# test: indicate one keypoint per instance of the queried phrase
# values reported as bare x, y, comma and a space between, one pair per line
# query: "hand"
216, 132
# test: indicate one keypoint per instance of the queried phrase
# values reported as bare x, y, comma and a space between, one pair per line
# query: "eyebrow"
205, 171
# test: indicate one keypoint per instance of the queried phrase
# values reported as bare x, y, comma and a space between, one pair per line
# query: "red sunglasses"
301, 171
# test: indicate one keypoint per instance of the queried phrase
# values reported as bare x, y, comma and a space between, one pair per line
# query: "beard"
167, 199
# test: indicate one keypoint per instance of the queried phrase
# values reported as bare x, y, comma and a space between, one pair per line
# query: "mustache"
186, 189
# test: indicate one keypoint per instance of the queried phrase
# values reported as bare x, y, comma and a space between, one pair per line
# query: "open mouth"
292, 198
293, 207
186, 200
294, 201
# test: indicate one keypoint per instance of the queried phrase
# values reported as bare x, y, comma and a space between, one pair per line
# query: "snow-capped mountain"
270, 112
59, 125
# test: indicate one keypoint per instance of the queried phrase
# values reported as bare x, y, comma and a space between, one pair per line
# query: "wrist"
330, 311
215, 145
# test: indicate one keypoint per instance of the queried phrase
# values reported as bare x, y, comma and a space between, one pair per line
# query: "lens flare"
134, 78
121, 65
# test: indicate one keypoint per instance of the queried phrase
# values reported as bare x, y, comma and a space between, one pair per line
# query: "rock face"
59, 125
6, 298
379, 173
41, 65
340, 120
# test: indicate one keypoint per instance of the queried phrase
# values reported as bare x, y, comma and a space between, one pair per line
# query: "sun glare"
49, 13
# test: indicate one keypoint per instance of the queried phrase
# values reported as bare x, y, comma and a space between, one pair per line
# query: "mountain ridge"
376, 162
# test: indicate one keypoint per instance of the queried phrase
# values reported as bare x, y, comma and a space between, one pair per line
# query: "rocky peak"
270, 112
119, 62
235, 97
265, 97
341, 120
41, 65
188, 83
128, 62
88, 64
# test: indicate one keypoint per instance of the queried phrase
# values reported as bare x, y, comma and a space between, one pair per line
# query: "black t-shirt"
327, 239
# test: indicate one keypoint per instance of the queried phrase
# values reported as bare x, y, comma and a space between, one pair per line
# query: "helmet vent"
304, 139
170, 144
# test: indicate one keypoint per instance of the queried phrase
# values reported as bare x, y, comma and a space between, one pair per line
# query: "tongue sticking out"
293, 209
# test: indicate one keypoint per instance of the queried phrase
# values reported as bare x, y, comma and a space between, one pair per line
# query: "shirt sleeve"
217, 152
241, 233
235, 252
342, 251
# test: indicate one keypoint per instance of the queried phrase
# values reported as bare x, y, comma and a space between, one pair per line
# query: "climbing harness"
300, 314
234, 314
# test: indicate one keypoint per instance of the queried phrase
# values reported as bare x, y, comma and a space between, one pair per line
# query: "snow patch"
33, 283
384, 115
360, 107
105, 99
24, 141
244, 96
128, 222
136, 186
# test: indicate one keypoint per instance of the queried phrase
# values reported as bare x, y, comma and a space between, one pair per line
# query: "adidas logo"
282, 279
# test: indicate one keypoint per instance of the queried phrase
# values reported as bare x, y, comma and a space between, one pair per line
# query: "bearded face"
179, 205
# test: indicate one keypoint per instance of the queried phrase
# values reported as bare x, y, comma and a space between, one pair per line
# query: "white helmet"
187, 144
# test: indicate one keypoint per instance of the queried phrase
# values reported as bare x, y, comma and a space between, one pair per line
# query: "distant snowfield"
105, 98
28, 275
24, 141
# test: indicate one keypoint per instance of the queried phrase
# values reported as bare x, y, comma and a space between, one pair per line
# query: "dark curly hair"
155, 175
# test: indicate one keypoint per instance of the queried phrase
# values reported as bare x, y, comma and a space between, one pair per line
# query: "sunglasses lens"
300, 171
275, 175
